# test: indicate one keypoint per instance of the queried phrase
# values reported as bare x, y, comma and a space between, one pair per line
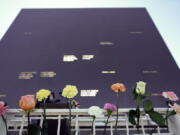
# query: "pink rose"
3, 108
110, 107
170, 95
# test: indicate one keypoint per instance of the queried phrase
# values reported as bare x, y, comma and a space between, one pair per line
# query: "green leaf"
157, 118
170, 113
148, 106
132, 116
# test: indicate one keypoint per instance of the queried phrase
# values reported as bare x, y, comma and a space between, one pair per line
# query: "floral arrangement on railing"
27, 103
118, 88
69, 92
95, 112
109, 108
3, 110
42, 96
141, 97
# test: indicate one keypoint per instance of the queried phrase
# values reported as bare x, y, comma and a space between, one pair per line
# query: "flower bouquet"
95, 112
110, 108
28, 103
41, 96
117, 88
69, 92
3, 109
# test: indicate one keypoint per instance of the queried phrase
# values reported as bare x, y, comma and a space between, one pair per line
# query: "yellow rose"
42, 94
69, 91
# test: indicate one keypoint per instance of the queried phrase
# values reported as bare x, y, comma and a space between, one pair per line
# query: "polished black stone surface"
124, 40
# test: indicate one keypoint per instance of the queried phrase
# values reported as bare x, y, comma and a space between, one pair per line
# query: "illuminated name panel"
89, 93
69, 58
136, 32
87, 57
30, 75
50, 74
149, 72
26, 75
108, 72
108, 43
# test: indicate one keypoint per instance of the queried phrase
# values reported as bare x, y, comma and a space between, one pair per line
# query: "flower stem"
92, 129
106, 124
117, 112
44, 109
167, 112
156, 94
70, 116
28, 121
138, 118
138, 111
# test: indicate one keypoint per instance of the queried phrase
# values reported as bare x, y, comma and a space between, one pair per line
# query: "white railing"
17, 121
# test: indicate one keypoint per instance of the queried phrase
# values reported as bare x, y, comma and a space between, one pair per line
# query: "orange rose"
118, 87
27, 102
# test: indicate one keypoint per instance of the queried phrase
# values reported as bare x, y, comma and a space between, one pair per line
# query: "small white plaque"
89, 93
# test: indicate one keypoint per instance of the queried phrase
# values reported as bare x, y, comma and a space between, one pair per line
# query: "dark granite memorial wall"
89, 48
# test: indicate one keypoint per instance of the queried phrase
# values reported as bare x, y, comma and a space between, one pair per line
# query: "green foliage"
132, 117
157, 118
170, 113
148, 106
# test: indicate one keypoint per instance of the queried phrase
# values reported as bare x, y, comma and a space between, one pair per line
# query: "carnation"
70, 91
118, 87
42, 94
3, 108
95, 111
170, 95
110, 107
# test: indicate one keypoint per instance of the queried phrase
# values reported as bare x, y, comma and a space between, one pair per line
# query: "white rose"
95, 111
140, 88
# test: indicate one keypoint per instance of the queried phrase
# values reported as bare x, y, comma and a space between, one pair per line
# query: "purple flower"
3, 108
110, 107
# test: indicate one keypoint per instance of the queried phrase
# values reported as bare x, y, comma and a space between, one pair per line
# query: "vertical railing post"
59, 125
77, 125
142, 125
127, 124
41, 122
94, 127
111, 128
22, 124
